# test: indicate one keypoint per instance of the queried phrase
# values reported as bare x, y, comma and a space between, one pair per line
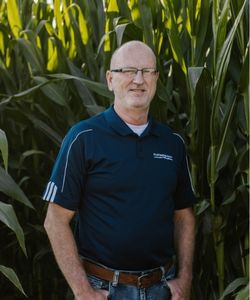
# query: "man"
126, 177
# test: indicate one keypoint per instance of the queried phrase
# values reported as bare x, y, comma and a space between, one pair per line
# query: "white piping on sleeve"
50, 192
52, 184
47, 190
67, 157
189, 173
180, 137
53, 194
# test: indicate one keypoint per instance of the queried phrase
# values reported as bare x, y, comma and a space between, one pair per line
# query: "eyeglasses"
131, 72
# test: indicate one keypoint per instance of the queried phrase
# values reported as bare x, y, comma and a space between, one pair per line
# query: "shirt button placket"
139, 148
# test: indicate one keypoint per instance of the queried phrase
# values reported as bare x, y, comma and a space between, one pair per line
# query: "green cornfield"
53, 59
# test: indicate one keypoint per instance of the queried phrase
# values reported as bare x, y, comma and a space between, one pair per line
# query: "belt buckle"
139, 283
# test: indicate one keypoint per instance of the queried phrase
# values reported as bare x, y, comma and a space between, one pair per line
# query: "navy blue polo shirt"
124, 188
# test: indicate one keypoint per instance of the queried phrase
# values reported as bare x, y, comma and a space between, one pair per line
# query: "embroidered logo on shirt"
163, 156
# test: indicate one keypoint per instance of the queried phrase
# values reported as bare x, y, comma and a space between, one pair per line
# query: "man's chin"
139, 103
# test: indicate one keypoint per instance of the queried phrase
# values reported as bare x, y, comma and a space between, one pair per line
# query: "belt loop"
115, 278
163, 273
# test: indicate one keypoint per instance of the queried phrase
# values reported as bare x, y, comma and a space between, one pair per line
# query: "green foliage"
53, 61
11, 275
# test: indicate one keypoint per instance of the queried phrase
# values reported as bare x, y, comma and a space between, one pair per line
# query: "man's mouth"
137, 90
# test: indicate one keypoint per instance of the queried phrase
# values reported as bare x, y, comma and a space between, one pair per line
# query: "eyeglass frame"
150, 71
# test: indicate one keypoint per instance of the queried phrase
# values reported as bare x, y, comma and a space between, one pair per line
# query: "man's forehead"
129, 51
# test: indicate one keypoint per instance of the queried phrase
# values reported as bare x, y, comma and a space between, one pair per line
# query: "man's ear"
109, 79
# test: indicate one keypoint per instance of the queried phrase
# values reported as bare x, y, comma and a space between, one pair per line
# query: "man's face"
133, 91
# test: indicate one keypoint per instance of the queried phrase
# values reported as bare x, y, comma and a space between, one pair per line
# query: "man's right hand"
95, 295
100, 295
57, 225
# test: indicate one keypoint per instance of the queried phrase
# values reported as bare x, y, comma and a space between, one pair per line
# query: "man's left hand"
180, 289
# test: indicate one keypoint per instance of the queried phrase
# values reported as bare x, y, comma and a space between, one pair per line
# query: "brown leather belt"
140, 279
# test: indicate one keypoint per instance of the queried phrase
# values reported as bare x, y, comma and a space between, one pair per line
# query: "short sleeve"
66, 184
184, 195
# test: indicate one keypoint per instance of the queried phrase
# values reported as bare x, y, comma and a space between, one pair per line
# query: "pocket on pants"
168, 277
100, 284
170, 274
159, 291
166, 285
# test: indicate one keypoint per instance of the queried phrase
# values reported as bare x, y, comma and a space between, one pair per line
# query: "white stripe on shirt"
50, 192
189, 174
47, 190
52, 198
52, 184
67, 159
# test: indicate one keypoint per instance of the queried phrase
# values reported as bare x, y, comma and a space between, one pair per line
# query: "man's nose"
138, 77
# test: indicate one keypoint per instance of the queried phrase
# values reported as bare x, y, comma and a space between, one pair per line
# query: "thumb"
105, 293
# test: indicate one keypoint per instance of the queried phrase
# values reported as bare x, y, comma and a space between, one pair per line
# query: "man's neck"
133, 116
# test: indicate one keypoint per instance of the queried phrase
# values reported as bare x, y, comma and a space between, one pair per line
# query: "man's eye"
129, 71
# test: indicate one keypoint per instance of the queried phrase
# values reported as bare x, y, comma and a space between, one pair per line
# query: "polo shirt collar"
119, 126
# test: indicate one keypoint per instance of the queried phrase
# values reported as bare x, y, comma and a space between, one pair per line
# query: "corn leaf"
11, 189
146, 20
220, 27
8, 217
59, 21
7, 79
14, 18
243, 294
243, 88
83, 27
52, 90
24, 93
45, 128
11, 275
4, 148
31, 55
124, 9
222, 154
2, 46
220, 72
173, 35
71, 47
99, 88
201, 29
233, 286
201, 83
52, 55
126, 32
83, 91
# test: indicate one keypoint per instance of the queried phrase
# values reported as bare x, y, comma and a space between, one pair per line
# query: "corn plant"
53, 59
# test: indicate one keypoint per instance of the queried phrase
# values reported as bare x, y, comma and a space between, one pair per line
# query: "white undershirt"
138, 129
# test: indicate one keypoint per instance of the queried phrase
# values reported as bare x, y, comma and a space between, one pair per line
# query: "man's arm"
184, 235
57, 226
